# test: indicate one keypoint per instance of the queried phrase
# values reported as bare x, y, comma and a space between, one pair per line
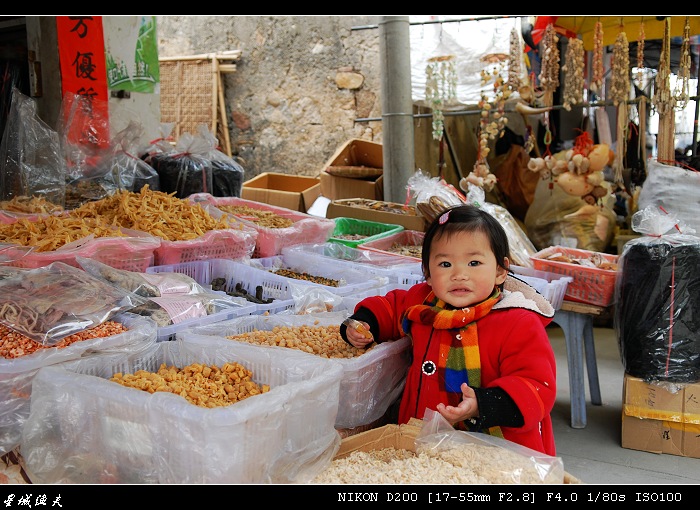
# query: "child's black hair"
466, 218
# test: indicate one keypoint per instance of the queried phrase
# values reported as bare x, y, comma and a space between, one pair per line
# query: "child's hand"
467, 408
358, 333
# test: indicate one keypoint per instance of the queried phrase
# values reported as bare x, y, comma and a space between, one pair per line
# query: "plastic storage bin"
590, 285
270, 241
370, 383
396, 269
83, 428
551, 285
369, 230
17, 374
411, 238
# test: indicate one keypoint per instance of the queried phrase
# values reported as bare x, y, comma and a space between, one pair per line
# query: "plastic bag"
492, 459
30, 155
227, 175
432, 194
187, 169
657, 294
122, 169
54, 301
142, 284
557, 218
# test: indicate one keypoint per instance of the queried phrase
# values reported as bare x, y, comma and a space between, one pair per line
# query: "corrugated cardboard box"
400, 437
295, 192
661, 418
354, 153
348, 208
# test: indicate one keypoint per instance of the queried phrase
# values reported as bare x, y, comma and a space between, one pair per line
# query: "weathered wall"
300, 84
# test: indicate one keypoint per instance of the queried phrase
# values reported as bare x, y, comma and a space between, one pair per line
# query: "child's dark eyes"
445, 264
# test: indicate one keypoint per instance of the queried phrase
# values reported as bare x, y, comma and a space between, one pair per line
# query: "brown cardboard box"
295, 192
658, 420
345, 209
359, 153
335, 187
400, 437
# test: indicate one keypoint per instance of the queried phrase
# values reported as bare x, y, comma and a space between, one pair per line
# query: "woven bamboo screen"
191, 93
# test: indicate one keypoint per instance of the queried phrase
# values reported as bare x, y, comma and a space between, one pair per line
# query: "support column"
398, 143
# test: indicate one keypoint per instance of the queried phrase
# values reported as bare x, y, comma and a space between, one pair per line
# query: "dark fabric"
656, 314
499, 409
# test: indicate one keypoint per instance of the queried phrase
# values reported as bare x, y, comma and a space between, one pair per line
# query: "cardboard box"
295, 192
359, 153
335, 187
656, 418
400, 437
349, 208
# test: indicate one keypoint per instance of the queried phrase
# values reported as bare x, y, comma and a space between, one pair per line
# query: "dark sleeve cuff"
496, 409
362, 314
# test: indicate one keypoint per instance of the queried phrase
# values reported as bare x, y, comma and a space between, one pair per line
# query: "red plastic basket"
590, 285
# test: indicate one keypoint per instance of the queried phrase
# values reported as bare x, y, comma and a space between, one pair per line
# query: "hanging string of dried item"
573, 73
619, 94
440, 89
663, 100
682, 93
642, 104
549, 71
514, 62
491, 124
598, 71
640, 56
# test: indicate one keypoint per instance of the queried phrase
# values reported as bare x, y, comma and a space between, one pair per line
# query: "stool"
576, 320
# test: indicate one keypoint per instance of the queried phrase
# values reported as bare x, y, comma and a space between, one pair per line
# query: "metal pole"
398, 145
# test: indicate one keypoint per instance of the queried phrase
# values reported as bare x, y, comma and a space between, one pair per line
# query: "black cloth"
656, 313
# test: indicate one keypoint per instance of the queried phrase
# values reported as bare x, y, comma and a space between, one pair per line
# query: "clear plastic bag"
51, 302
31, 161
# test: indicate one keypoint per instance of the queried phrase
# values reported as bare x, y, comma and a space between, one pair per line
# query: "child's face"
463, 269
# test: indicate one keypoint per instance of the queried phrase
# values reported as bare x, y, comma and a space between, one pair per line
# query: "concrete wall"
300, 83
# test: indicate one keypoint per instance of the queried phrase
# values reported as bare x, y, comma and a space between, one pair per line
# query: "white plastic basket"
352, 279
551, 285
393, 267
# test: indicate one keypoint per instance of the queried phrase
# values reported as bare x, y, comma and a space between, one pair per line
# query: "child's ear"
502, 271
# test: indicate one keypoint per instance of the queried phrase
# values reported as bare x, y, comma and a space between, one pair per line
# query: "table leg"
571, 324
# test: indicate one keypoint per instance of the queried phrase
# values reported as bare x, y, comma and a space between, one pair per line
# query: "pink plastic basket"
215, 244
405, 237
133, 253
270, 241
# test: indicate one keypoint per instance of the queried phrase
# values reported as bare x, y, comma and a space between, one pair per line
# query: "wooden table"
576, 320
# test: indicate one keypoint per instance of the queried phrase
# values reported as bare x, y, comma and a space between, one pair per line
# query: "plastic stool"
578, 333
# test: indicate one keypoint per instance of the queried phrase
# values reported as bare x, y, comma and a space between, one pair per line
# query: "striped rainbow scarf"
459, 359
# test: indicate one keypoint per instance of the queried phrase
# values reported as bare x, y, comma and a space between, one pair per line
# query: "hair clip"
443, 219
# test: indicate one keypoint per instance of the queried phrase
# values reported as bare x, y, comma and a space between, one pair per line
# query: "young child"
481, 354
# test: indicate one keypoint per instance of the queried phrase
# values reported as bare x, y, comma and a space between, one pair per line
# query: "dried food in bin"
201, 385
15, 345
219, 284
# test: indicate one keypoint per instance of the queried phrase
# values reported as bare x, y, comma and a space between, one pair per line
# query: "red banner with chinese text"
81, 51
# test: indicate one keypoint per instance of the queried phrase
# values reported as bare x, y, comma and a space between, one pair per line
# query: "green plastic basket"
371, 230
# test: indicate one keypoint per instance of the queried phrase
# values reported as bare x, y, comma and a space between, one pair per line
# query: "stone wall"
299, 86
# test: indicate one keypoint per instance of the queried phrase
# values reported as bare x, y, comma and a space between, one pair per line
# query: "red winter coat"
515, 355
